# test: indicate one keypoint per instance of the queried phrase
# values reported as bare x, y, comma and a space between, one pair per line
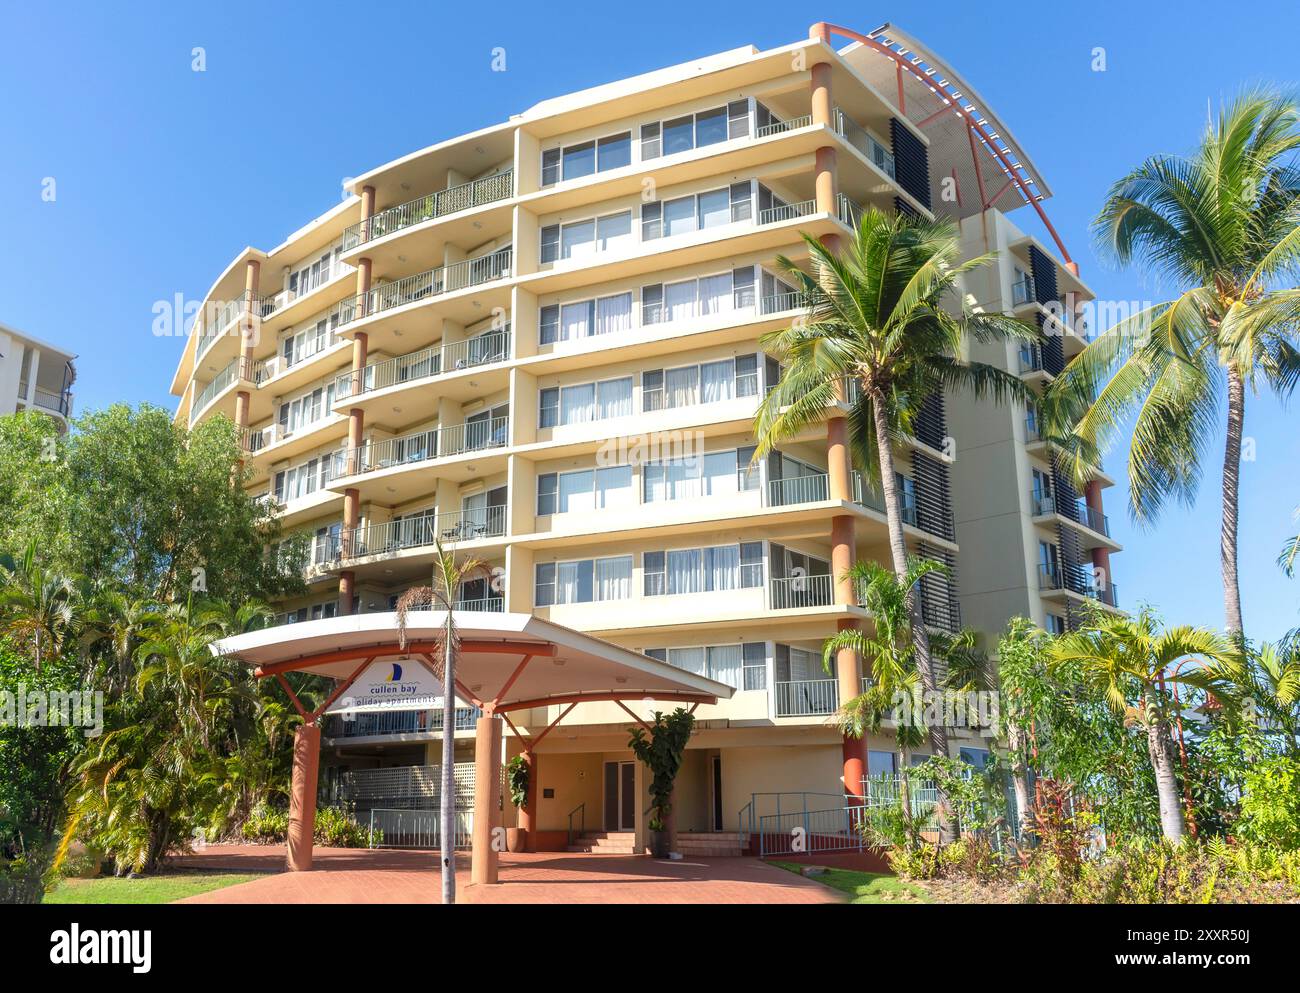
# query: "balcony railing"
848, 212
796, 490
1078, 579
59, 402
435, 282
1093, 518
275, 302
1022, 292
426, 363
414, 784
787, 212
801, 591
490, 605
221, 382
1031, 359
222, 318
780, 127
806, 697
389, 722
865, 142
426, 208
423, 446
422, 532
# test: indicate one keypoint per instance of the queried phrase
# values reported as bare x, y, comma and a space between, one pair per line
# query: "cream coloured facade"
539, 344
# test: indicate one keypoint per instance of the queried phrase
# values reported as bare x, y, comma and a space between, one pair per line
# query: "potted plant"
518, 773
661, 747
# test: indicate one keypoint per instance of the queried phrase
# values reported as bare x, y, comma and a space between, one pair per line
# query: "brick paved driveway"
386, 876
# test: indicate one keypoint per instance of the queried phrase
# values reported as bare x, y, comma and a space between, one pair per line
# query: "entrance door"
620, 796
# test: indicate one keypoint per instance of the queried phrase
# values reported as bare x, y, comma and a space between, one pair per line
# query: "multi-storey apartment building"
35, 375
539, 343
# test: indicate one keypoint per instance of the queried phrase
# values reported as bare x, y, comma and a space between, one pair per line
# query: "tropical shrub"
337, 827
1270, 806
265, 826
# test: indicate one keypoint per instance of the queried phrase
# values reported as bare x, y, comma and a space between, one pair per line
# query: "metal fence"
398, 828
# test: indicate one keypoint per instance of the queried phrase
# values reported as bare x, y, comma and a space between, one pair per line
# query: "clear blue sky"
163, 174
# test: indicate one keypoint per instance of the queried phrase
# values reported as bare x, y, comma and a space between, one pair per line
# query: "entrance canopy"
506, 661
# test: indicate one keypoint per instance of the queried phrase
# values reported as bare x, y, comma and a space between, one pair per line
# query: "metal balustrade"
223, 316
422, 531
423, 446
392, 722
806, 697
59, 402
396, 828
780, 302
848, 212
1031, 359
435, 282
1078, 579
220, 383
1022, 292
801, 591
414, 785
787, 212
780, 127
452, 200
490, 605
796, 490
275, 302
436, 360
865, 142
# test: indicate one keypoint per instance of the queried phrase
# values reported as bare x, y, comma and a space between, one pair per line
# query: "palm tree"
876, 317
36, 605
448, 574
891, 651
1130, 661
1223, 226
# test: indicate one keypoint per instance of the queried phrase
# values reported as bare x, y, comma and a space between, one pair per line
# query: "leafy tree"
1223, 226
142, 505
880, 317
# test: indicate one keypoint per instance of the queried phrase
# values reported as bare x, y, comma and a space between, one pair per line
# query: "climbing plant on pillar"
660, 746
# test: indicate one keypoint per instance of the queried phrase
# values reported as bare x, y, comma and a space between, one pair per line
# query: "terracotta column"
367, 210
487, 799
527, 820
302, 796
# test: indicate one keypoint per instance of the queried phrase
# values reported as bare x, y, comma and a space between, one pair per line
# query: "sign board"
404, 684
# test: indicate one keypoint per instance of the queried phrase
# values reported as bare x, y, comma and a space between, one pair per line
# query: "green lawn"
865, 887
162, 888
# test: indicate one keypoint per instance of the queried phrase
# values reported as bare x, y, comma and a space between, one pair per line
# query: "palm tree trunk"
1231, 482
1160, 748
898, 553
1019, 778
447, 800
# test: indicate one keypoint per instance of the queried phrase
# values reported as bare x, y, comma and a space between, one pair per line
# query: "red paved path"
360, 876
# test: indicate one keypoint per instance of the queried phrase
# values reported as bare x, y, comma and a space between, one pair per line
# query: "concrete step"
602, 849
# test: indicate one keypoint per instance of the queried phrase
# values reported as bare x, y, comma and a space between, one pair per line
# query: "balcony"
430, 207
801, 591
437, 360
58, 402
1022, 292
1077, 579
396, 722
405, 786
222, 317
781, 127
1044, 504
423, 446
437, 282
271, 304
865, 142
422, 531
806, 697
786, 212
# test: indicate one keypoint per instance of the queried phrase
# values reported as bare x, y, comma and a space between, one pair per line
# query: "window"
586, 158
302, 480
584, 489
695, 212
584, 581
708, 127
792, 665
584, 318
730, 664
1055, 624
585, 402
714, 294
696, 476
709, 382
906, 496
305, 410
754, 664
580, 239
880, 763
701, 570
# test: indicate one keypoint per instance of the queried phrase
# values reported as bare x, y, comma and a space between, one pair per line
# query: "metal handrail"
436, 360
780, 127
849, 213
865, 142
1022, 292
225, 315
581, 811
787, 212
435, 282
805, 697
420, 532
423, 446
452, 200
801, 591
813, 488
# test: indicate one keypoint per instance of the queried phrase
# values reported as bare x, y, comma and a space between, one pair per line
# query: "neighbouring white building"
35, 375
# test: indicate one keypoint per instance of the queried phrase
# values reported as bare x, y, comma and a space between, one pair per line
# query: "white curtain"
723, 564
684, 571
715, 294
614, 313
679, 300
614, 486
614, 578
690, 659
681, 386
725, 663
575, 321
718, 381
576, 492
578, 404
566, 582
614, 398
719, 473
